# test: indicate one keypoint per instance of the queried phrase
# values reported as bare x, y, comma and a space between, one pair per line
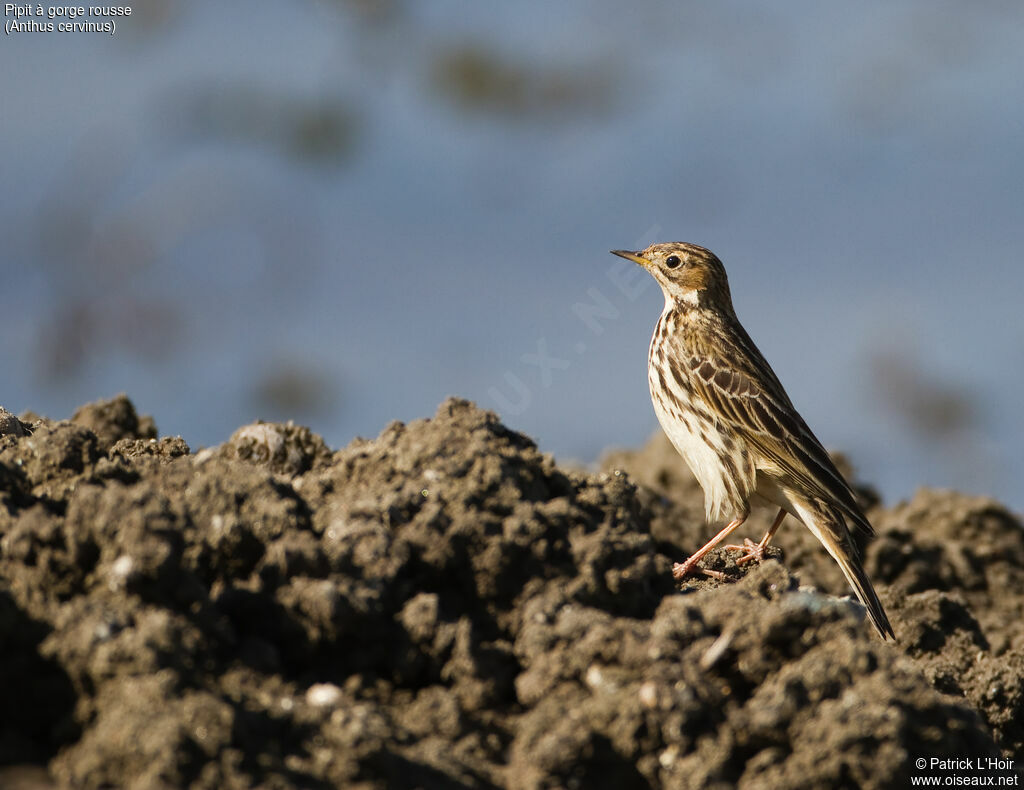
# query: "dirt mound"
443, 606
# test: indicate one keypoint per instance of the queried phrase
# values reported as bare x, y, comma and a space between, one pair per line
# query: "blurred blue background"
341, 212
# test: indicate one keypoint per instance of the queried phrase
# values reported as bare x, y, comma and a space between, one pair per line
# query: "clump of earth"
445, 606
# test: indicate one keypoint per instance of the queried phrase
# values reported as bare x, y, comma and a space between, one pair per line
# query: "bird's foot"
683, 569
754, 551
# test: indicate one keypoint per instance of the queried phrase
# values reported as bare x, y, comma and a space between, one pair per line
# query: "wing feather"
734, 378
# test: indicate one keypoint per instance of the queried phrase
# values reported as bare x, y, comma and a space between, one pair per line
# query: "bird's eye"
672, 261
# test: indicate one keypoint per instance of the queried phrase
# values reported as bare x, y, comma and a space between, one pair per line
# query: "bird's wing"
735, 380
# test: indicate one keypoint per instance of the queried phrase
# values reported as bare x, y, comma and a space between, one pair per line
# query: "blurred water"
342, 212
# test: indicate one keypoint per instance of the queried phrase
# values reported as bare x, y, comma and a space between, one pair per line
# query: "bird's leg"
683, 569
755, 551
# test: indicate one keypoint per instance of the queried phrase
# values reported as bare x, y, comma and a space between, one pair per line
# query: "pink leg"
755, 551
683, 569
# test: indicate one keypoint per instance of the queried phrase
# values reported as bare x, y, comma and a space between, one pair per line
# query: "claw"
683, 569
754, 551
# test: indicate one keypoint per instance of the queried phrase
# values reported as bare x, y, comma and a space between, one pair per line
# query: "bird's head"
689, 276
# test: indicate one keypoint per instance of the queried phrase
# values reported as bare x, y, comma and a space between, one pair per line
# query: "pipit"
725, 411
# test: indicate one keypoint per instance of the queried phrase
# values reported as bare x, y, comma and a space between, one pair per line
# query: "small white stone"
262, 433
120, 570
203, 455
122, 567
323, 695
649, 695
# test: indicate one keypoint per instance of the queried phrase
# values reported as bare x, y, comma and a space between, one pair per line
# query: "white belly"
703, 457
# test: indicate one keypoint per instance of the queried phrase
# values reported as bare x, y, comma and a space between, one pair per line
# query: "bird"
727, 414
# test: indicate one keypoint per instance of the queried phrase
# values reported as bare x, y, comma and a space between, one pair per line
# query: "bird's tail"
829, 526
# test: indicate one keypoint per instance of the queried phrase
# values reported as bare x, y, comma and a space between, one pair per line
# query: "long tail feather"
858, 579
829, 527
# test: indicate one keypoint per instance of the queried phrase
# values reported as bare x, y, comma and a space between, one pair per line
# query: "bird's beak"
631, 256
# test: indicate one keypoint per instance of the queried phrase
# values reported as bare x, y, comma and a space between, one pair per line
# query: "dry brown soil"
444, 606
